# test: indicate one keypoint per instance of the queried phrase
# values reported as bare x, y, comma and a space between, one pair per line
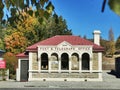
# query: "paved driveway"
109, 82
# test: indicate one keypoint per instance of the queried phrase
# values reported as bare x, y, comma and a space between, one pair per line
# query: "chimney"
97, 37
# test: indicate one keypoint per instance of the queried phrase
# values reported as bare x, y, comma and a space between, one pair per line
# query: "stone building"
62, 58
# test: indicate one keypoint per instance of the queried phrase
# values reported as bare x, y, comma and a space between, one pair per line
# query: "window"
64, 61
44, 61
85, 61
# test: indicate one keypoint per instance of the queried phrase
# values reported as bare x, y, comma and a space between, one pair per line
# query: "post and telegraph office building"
62, 58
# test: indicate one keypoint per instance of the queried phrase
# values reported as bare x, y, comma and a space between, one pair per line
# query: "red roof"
22, 55
73, 40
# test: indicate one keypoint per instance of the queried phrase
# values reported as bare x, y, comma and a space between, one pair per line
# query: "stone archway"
54, 61
75, 61
64, 61
85, 61
44, 61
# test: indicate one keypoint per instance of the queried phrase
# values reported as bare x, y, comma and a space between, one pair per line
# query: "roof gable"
64, 44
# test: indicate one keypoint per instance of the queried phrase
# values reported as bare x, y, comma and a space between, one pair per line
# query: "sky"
85, 16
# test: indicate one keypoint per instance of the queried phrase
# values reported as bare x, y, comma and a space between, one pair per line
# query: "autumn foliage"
11, 63
15, 42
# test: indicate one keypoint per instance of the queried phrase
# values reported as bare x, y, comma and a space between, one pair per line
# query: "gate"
24, 70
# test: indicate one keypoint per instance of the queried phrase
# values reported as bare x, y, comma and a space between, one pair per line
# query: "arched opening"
54, 61
75, 61
64, 61
44, 61
85, 61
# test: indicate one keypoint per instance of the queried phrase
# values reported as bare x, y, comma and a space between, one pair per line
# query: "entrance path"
109, 82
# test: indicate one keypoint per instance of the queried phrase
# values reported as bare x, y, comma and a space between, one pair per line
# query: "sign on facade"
2, 64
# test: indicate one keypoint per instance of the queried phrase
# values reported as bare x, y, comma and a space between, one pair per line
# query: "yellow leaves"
26, 24
15, 41
9, 54
11, 60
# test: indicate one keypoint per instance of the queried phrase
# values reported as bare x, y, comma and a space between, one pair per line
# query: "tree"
1, 45
11, 63
1, 9
117, 45
111, 43
15, 42
104, 43
42, 8
113, 4
54, 27
2, 37
111, 35
31, 31
111, 48
85, 37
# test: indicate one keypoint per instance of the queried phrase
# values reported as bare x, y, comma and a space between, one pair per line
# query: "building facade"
62, 58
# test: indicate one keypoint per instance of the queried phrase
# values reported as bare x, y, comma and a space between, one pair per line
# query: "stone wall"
34, 61
54, 63
95, 61
75, 63
65, 75
108, 63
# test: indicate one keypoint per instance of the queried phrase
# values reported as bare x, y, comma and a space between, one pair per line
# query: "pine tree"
111, 35
111, 43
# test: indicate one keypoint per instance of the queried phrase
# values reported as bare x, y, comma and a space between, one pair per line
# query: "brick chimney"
96, 35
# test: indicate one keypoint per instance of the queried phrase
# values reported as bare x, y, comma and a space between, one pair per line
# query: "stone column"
70, 64
49, 64
90, 64
80, 64
59, 65
100, 61
18, 70
100, 65
39, 64
30, 66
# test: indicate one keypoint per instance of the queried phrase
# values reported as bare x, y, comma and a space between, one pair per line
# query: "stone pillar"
100, 61
80, 64
49, 64
100, 65
18, 70
59, 65
91, 64
70, 64
39, 64
30, 66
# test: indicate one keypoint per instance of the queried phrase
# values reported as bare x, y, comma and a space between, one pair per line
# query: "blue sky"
85, 16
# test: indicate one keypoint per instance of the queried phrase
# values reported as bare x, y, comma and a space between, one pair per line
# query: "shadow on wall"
116, 72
